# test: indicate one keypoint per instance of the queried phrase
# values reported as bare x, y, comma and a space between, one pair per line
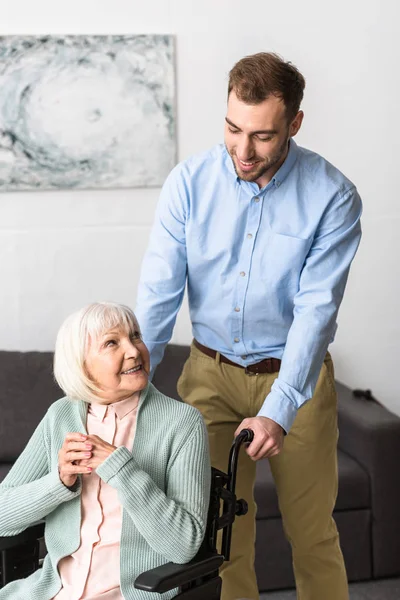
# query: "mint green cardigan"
163, 486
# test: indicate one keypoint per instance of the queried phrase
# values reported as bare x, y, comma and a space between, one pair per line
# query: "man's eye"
264, 139
233, 130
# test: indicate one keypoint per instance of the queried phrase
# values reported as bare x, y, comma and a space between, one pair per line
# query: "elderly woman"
118, 471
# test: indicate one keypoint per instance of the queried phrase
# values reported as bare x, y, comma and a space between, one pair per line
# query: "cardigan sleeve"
173, 522
31, 490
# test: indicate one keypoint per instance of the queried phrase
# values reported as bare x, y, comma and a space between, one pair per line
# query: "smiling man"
258, 153
263, 232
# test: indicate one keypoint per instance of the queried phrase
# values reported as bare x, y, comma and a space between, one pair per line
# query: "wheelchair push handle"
238, 507
245, 436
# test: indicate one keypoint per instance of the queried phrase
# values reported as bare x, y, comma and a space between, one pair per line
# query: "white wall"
59, 250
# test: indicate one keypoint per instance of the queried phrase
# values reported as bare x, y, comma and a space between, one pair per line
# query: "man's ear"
296, 123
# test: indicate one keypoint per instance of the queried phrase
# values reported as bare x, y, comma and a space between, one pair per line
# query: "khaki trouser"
305, 474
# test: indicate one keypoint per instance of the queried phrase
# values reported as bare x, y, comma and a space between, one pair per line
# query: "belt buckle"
247, 372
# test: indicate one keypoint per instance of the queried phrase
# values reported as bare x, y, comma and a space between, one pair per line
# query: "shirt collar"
282, 172
122, 408
287, 166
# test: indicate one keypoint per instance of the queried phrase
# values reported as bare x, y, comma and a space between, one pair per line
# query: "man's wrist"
279, 409
268, 419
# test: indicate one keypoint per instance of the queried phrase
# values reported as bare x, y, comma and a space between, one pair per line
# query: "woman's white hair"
73, 341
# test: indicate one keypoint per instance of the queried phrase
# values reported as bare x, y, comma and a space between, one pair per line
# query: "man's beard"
265, 164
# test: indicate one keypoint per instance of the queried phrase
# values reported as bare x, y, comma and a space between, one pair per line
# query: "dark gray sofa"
368, 505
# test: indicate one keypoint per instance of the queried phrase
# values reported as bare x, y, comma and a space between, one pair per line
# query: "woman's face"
119, 363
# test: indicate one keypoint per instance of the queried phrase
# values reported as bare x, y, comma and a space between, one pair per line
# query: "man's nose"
245, 149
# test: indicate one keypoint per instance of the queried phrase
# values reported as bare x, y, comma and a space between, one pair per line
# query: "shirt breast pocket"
283, 259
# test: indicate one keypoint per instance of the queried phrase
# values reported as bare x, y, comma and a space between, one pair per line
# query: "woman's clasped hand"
80, 454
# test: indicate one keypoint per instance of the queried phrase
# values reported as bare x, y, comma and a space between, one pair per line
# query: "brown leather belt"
268, 365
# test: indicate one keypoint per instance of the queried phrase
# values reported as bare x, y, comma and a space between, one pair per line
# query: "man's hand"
268, 437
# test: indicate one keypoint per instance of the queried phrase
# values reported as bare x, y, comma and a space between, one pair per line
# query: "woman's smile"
132, 370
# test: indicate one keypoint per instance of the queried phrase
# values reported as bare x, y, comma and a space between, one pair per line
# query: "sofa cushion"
168, 371
354, 485
27, 390
353, 488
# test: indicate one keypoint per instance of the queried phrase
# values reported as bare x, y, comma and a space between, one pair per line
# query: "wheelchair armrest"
172, 575
32, 533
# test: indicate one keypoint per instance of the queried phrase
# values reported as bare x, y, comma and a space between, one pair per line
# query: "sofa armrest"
170, 576
370, 434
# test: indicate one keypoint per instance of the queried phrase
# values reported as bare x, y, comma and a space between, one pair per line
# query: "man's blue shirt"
265, 268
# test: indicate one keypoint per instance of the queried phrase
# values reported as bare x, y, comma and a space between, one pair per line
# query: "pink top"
92, 572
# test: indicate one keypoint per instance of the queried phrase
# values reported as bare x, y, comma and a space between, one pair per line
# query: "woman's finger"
70, 469
72, 456
75, 437
78, 446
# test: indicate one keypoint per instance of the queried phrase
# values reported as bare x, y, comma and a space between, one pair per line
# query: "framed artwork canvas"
86, 111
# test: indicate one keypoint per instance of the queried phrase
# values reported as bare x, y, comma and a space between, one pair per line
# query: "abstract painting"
86, 111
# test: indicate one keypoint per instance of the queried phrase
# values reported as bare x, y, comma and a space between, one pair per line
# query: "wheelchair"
197, 580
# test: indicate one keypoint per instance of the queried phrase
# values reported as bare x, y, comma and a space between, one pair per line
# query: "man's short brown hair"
256, 77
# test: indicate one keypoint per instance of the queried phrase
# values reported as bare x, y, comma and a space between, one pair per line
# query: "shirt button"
249, 236
237, 309
244, 356
242, 273
236, 340
256, 199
